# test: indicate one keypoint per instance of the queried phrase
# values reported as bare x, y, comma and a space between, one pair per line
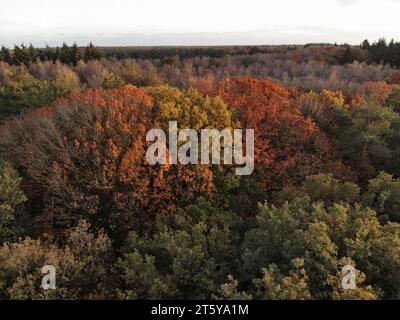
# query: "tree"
288, 146
321, 187
101, 133
51, 54
190, 108
70, 55
65, 54
383, 195
394, 99
188, 258
11, 198
276, 286
373, 125
22, 91
5, 55
21, 55
33, 53
377, 91
113, 81
74, 55
378, 50
318, 238
93, 74
94, 143
229, 291
347, 57
365, 45
91, 53
83, 267
364, 133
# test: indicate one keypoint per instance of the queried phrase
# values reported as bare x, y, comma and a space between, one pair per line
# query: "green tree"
322, 236
51, 54
229, 291
189, 257
83, 266
91, 53
33, 53
365, 137
383, 195
11, 199
189, 108
5, 55
347, 57
322, 187
65, 54
277, 286
70, 55
74, 55
394, 100
23, 92
21, 55
365, 45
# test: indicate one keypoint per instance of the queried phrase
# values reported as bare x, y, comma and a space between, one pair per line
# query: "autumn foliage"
288, 145
77, 192
84, 157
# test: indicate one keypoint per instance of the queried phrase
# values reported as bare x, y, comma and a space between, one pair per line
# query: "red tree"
288, 145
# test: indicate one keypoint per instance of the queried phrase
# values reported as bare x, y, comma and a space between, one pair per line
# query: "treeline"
383, 52
166, 53
379, 52
72, 54
66, 54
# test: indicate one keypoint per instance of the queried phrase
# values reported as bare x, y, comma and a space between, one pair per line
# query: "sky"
200, 22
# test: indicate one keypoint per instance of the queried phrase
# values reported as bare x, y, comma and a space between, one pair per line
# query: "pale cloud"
348, 2
155, 22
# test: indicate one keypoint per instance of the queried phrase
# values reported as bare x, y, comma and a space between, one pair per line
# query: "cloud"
348, 2
156, 22
271, 34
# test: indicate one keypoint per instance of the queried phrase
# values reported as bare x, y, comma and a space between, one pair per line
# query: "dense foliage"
76, 191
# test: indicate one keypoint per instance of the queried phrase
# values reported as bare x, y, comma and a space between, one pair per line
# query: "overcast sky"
200, 22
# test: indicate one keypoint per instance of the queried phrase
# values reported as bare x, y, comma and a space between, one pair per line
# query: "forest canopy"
77, 193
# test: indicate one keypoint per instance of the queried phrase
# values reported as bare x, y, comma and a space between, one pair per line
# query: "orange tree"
288, 145
84, 157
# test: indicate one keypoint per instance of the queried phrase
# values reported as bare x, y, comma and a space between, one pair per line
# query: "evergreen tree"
74, 55
91, 53
50, 54
21, 55
5, 55
64, 53
365, 45
33, 53
347, 57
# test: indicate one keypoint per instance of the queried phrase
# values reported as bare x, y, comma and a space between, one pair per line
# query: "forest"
77, 193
